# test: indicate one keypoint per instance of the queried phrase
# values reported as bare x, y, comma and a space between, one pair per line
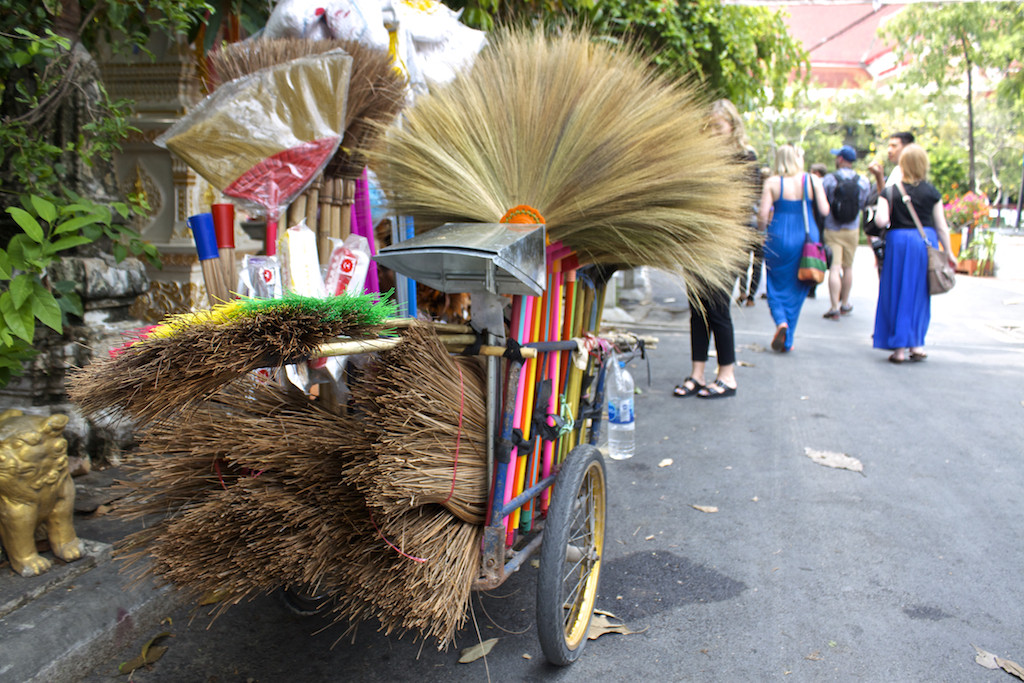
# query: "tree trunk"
972, 180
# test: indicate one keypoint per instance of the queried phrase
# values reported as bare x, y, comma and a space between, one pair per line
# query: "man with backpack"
847, 193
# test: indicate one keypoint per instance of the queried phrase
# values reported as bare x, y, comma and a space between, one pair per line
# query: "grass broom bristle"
613, 156
430, 430
171, 374
254, 481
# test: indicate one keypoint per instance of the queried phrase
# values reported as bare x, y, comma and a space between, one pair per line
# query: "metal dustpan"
502, 258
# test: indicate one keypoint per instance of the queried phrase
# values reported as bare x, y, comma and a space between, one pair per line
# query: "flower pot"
967, 266
954, 241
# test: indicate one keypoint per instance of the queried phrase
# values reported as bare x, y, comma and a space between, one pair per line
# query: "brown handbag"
941, 276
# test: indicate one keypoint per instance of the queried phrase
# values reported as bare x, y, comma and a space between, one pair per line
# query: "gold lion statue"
35, 490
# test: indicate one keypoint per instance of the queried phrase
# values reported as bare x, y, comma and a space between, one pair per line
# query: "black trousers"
715, 319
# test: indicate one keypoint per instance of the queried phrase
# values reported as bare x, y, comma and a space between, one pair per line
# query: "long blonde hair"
788, 160
914, 162
738, 138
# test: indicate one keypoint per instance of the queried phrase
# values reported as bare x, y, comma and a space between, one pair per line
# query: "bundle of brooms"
614, 157
264, 489
189, 357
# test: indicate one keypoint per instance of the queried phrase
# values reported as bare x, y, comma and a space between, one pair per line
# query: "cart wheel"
571, 554
302, 602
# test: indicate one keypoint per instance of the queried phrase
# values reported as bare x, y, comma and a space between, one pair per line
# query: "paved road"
805, 573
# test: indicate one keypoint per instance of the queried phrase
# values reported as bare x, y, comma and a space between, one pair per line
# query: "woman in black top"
709, 314
904, 305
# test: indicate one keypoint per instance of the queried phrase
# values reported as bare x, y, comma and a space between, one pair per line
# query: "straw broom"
413, 571
190, 357
259, 463
613, 156
376, 91
431, 429
277, 513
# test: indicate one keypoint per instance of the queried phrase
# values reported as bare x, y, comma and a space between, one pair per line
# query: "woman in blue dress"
782, 213
904, 305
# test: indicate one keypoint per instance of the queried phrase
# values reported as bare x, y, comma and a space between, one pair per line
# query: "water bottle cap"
622, 363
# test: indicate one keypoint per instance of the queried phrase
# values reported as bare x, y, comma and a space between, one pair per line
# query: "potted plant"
986, 241
970, 211
967, 262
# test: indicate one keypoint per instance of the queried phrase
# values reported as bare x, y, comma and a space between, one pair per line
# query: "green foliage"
41, 73
743, 53
951, 44
27, 294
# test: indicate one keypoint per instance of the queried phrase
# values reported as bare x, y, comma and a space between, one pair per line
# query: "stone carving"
168, 298
36, 491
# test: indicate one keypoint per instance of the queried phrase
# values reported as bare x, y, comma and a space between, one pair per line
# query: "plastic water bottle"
621, 417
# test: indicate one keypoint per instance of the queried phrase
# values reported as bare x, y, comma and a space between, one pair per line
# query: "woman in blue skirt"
904, 305
784, 210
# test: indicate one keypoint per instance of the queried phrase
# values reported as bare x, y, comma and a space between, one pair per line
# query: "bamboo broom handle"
312, 205
323, 224
353, 347
336, 212
213, 276
453, 328
348, 198
297, 211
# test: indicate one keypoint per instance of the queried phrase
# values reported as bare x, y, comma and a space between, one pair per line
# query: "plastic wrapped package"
297, 19
260, 277
300, 261
347, 267
360, 20
436, 44
261, 139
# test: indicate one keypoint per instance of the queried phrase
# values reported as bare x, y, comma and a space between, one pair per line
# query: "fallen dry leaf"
1011, 667
992, 661
471, 654
986, 659
600, 625
744, 364
814, 656
213, 597
665, 463
151, 652
705, 508
840, 461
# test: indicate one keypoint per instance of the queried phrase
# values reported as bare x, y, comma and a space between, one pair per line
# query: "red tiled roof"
841, 39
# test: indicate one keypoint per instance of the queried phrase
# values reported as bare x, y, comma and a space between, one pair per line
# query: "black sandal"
683, 391
718, 389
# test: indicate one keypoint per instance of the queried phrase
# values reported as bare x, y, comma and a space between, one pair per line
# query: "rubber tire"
563, 642
303, 603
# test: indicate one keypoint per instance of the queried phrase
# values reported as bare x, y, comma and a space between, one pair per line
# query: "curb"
79, 621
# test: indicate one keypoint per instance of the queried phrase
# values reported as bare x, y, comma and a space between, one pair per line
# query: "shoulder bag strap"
913, 212
803, 211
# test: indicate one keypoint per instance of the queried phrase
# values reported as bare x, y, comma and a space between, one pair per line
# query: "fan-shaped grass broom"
615, 157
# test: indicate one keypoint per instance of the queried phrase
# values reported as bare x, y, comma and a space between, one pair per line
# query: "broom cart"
548, 490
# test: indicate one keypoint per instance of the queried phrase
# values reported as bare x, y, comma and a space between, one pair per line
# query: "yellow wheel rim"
584, 555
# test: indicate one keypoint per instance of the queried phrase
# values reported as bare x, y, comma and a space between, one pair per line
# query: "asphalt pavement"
791, 570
